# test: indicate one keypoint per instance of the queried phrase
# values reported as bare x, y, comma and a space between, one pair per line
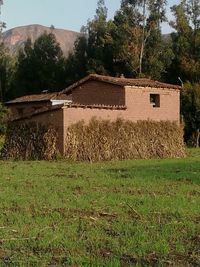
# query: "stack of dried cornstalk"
105, 140
29, 141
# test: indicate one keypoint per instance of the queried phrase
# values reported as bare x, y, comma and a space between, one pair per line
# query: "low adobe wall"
73, 115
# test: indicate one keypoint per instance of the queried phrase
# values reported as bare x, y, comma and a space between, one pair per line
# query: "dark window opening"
155, 100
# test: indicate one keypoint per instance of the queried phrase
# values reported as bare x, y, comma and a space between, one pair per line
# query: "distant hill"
15, 38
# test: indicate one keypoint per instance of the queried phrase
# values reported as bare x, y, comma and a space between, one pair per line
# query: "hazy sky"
64, 14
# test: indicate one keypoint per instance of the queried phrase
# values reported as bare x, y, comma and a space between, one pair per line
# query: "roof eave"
35, 113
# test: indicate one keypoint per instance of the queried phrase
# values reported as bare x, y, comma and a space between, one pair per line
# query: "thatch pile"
105, 140
29, 141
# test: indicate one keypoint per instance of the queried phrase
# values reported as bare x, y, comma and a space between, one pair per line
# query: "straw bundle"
119, 140
29, 141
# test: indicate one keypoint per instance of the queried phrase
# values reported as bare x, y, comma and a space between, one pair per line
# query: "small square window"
155, 100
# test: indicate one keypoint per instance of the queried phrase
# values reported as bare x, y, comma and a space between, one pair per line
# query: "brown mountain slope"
16, 37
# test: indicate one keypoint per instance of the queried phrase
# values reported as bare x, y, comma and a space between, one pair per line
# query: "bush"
119, 140
3, 118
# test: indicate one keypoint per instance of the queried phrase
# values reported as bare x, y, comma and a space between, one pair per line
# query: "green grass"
130, 213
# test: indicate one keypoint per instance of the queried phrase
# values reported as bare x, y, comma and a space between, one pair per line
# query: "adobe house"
103, 97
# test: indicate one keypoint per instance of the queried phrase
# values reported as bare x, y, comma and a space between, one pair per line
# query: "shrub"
3, 119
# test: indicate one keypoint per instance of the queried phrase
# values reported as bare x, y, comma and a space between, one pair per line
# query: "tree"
41, 66
186, 40
6, 71
93, 51
3, 118
190, 103
2, 24
5, 63
139, 44
131, 44
158, 55
127, 39
99, 50
76, 63
151, 23
186, 63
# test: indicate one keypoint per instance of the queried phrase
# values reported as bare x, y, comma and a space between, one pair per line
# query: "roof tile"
39, 98
122, 82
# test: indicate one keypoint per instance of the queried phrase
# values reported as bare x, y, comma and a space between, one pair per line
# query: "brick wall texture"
94, 92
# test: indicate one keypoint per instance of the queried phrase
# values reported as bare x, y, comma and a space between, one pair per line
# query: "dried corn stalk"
106, 140
30, 141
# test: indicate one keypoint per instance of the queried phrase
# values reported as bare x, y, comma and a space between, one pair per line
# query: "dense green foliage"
5, 63
40, 66
3, 117
186, 63
186, 40
190, 102
130, 213
130, 44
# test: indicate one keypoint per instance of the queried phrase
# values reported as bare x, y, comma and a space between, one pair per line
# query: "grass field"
131, 213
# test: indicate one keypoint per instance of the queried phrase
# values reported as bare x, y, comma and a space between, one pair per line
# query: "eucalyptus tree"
186, 40
93, 51
186, 64
99, 38
190, 104
3, 75
139, 33
2, 24
4, 61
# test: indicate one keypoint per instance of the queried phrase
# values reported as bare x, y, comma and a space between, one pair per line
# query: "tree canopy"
40, 66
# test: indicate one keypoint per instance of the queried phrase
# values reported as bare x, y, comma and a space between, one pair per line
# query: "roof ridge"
122, 81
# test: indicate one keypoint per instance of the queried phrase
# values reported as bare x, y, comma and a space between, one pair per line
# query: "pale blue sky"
64, 14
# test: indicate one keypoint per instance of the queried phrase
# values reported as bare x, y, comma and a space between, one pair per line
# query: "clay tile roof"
38, 98
36, 112
122, 82
95, 106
